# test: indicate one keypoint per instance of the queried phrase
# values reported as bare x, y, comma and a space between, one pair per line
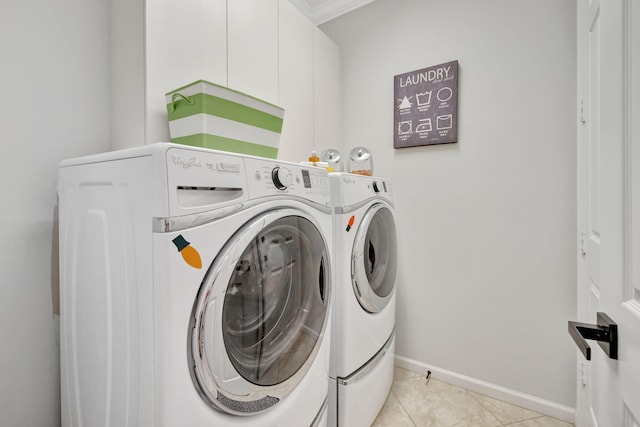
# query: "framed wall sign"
426, 106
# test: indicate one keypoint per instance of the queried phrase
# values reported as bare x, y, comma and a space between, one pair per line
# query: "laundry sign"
426, 106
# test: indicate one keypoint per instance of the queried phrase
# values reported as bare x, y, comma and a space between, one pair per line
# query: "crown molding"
329, 9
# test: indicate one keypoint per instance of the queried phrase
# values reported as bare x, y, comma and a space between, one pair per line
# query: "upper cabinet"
327, 103
185, 42
253, 47
295, 83
265, 48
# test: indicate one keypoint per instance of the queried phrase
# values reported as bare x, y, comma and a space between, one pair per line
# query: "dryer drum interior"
274, 310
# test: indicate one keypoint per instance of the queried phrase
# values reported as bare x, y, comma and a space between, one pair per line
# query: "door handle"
605, 332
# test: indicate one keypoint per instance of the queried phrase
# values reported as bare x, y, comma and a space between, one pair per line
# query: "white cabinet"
327, 94
265, 48
295, 83
253, 47
158, 46
185, 42
309, 87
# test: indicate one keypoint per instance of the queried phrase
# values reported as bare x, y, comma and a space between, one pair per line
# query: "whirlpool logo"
187, 162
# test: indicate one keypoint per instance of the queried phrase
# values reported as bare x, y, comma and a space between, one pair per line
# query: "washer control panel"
282, 177
269, 177
201, 180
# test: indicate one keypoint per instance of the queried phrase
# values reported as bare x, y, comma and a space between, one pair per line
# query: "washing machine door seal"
261, 312
374, 258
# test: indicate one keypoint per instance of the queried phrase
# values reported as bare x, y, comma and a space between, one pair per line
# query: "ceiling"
320, 11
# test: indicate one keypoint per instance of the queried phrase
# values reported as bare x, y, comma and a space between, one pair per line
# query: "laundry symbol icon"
444, 122
405, 127
424, 126
444, 94
423, 98
188, 252
405, 103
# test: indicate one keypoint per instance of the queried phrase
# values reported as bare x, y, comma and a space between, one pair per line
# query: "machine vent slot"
247, 407
192, 196
184, 187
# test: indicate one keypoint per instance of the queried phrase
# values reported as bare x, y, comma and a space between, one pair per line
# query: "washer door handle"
321, 279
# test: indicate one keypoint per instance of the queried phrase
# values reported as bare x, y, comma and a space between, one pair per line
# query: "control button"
281, 177
384, 184
375, 187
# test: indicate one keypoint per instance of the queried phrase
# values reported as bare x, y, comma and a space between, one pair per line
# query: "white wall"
486, 227
55, 101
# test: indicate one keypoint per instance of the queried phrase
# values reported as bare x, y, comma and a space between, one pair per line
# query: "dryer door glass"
261, 313
375, 258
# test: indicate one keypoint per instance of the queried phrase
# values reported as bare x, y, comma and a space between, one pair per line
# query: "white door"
608, 393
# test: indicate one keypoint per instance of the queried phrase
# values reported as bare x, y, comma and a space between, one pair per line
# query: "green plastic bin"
205, 114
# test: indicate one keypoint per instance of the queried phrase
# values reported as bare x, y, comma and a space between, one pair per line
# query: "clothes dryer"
195, 290
363, 338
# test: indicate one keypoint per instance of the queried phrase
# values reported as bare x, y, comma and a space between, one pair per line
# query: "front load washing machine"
363, 337
195, 290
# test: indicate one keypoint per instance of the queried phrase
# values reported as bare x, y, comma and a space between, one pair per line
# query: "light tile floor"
415, 403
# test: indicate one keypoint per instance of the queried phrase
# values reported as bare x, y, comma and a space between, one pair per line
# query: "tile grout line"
484, 407
528, 419
494, 416
404, 409
477, 398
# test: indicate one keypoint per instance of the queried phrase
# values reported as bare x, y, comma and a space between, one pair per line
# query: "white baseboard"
523, 400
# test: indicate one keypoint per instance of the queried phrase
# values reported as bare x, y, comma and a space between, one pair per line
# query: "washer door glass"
274, 307
374, 259
275, 302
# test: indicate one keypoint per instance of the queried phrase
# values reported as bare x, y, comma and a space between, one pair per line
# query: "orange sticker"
189, 253
350, 224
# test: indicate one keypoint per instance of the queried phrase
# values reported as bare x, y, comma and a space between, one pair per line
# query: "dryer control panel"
349, 189
267, 178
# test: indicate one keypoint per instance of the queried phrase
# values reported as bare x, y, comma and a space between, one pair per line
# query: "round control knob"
281, 177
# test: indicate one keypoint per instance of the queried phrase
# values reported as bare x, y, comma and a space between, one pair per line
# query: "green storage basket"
205, 114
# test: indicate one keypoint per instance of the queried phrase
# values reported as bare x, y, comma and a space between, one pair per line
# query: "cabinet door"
185, 42
295, 83
253, 48
327, 94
